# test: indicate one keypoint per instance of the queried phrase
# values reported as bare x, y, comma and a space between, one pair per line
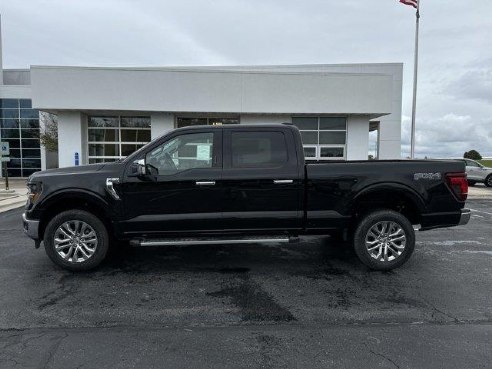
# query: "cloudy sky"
455, 82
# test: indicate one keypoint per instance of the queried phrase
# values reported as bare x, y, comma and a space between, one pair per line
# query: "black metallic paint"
322, 196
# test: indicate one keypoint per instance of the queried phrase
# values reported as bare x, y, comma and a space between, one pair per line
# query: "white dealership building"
106, 113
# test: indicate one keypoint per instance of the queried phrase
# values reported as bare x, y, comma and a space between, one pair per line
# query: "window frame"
91, 159
216, 150
271, 166
290, 165
28, 130
319, 145
207, 118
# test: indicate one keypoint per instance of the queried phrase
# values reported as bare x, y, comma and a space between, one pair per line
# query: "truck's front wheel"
76, 240
384, 240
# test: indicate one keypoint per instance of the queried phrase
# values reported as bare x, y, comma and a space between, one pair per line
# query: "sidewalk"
15, 197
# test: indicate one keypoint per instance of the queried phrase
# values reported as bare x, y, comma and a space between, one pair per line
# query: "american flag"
414, 3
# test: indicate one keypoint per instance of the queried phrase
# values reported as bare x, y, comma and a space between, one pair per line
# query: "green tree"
49, 131
472, 154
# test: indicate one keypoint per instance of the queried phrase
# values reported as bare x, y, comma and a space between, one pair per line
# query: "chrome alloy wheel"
75, 241
385, 241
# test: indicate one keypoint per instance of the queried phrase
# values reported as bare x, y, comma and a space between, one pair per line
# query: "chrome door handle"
205, 183
283, 181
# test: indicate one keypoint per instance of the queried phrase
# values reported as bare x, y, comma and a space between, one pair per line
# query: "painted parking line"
480, 211
451, 242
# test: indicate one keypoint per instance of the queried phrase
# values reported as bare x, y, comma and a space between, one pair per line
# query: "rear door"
261, 179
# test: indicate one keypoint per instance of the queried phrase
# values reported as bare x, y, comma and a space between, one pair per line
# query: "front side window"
187, 151
258, 149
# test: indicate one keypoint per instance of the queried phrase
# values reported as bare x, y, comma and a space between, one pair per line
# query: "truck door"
261, 180
182, 191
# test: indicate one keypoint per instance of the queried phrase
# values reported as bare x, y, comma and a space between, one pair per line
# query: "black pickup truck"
240, 184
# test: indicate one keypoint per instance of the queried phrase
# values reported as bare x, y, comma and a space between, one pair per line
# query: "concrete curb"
12, 202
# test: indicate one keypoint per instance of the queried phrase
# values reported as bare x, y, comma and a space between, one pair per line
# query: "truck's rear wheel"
384, 240
76, 240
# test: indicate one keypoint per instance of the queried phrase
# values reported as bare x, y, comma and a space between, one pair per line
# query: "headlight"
35, 189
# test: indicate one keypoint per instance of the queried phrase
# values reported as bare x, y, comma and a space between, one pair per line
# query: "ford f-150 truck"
240, 184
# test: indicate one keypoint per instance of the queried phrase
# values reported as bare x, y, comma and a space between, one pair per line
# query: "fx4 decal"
429, 176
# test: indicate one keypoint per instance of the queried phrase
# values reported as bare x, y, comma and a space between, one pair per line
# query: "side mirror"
138, 168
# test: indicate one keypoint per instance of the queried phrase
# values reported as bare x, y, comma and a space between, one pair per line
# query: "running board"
210, 241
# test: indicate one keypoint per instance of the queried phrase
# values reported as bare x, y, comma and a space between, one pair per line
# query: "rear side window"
258, 149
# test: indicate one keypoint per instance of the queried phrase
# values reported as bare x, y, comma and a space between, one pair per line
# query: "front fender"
64, 197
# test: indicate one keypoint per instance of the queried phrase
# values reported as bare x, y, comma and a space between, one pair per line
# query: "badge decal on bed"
429, 176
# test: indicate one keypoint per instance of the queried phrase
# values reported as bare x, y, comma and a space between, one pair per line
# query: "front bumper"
465, 216
31, 227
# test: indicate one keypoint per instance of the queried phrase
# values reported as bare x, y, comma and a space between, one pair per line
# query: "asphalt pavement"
304, 305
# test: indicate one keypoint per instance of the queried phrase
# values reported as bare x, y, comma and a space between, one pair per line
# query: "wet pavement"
309, 304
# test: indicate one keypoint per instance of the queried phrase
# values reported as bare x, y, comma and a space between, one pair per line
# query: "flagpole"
415, 72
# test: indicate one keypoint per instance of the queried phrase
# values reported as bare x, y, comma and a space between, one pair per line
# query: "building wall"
390, 126
73, 133
157, 90
258, 94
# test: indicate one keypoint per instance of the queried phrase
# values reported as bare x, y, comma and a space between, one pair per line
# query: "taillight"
458, 184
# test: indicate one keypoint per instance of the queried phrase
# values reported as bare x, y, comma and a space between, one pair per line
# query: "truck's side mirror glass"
138, 168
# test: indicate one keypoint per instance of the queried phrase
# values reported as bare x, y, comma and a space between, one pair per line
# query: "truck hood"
82, 169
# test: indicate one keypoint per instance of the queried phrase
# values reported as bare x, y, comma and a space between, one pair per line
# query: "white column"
390, 125
161, 123
357, 137
71, 134
390, 138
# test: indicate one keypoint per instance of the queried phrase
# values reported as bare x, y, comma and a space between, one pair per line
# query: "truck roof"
241, 126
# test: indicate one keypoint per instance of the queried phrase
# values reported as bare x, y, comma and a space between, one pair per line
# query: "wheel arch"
393, 196
74, 200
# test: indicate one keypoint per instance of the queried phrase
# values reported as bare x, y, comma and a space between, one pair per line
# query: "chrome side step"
209, 241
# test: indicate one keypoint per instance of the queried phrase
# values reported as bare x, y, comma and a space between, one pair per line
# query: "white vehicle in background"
477, 173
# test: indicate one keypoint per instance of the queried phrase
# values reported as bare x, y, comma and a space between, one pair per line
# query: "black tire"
472, 183
77, 215
488, 181
372, 219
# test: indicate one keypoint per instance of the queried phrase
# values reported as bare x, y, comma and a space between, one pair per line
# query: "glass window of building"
19, 126
323, 138
113, 138
204, 121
